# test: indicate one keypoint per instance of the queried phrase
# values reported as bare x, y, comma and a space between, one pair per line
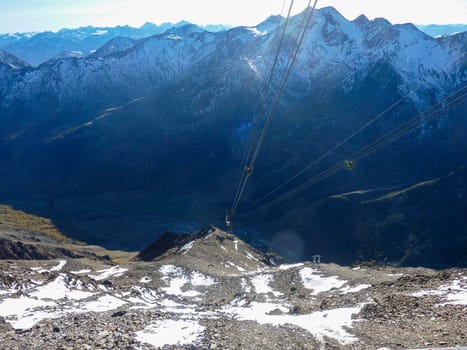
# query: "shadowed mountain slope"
151, 136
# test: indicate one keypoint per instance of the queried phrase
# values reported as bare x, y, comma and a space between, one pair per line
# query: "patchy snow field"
186, 299
454, 293
180, 291
330, 323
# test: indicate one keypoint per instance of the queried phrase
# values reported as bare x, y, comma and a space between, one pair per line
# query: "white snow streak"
251, 257
284, 267
100, 32
241, 269
349, 289
104, 274
80, 272
59, 267
186, 248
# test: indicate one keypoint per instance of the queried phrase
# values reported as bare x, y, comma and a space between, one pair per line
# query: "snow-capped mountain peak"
334, 49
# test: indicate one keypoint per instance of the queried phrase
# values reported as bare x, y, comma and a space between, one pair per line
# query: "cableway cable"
278, 95
268, 85
381, 142
341, 143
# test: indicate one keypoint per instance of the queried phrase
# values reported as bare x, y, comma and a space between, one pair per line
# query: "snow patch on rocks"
176, 279
355, 289
285, 267
145, 279
186, 248
60, 289
330, 323
171, 332
104, 303
454, 293
80, 272
199, 279
23, 312
59, 267
313, 280
261, 284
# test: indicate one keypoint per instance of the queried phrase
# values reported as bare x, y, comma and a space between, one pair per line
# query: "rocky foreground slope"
211, 290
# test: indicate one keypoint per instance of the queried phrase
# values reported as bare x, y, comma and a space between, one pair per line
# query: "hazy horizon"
33, 16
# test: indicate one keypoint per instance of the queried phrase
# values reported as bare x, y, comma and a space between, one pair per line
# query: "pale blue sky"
40, 15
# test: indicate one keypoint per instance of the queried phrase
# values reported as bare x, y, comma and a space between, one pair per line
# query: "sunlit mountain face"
148, 132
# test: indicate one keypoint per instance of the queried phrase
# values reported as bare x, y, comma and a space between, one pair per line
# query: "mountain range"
37, 48
442, 29
149, 132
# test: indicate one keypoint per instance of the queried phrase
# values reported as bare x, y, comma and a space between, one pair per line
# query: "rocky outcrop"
12, 249
222, 250
160, 246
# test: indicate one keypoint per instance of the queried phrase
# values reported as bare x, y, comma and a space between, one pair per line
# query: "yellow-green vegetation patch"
22, 220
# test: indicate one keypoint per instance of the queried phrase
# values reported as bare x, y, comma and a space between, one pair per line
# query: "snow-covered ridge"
334, 49
154, 62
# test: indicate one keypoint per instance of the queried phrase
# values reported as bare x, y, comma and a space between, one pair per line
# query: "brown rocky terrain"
211, 290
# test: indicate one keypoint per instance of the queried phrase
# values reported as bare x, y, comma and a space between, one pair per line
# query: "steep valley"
117, 148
